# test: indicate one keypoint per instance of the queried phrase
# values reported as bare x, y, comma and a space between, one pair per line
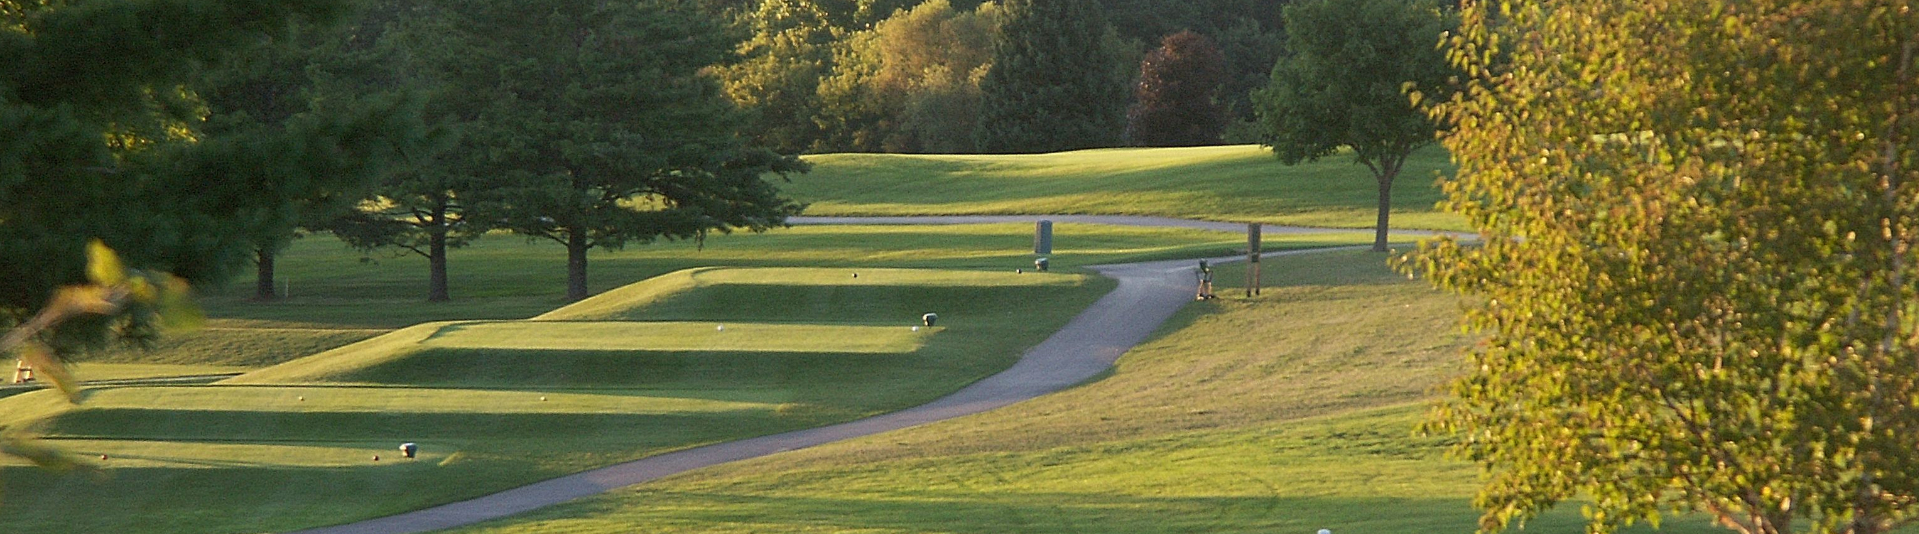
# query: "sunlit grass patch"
1226, 183
680, 336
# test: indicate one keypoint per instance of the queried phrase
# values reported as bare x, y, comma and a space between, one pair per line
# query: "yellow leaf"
103, 265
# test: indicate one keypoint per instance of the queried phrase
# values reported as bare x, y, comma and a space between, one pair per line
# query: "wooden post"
1252, 259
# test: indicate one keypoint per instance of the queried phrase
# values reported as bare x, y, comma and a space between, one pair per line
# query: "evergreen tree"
1177, 96
266, 94
420, 206
1055, 84
603, 120
102, 142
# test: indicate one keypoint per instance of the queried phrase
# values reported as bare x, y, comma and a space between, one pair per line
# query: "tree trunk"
1385, 209
436, 266
263, 289
436, 257
575, 264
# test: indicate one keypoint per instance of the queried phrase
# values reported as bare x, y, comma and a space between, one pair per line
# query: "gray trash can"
930, 318
409, 449
1041, 264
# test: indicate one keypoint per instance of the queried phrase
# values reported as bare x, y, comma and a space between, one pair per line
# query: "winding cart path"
1148, 294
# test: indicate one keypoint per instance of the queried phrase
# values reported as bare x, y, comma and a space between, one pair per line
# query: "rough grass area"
497, 404
1229, 183
1288, 412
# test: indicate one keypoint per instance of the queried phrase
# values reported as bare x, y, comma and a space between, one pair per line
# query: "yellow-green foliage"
678, 336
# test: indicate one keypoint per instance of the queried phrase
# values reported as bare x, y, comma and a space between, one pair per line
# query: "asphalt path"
1147, 295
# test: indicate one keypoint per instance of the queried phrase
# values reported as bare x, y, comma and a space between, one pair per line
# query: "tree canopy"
911, 84
1696, 267
106, 141
605, 126
1055, 83
1176, 101
1346, 86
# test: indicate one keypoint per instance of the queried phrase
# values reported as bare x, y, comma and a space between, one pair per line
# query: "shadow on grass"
640, 430
217, 501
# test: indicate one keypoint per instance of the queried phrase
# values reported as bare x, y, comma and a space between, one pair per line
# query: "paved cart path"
1148, 294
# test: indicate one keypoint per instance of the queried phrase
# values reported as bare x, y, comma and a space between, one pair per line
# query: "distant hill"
1227, 183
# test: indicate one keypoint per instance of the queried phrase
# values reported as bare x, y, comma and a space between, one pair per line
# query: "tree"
264, 95
1177, 96
1055, 83
420, 206
1696, 264
790, 50
602, 119
1346, 85
102, 143
911, 84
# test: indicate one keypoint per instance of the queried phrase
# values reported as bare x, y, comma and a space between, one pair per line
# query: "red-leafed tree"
1176, 100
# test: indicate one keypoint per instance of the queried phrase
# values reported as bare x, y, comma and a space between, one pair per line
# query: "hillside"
1226, 183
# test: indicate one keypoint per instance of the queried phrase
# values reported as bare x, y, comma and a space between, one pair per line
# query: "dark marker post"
1252, 259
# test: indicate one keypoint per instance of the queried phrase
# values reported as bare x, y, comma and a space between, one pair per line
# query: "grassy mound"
1230, 183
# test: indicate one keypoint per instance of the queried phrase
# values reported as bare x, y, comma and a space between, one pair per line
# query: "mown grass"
1288, 412
292, 445
1230, 183
496, 404
338, 296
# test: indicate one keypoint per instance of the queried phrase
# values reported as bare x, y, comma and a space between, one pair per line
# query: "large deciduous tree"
788, 52
1176, 100
911, 84
103, 141
606, 127
1346, 85
1697, 265
1055, 83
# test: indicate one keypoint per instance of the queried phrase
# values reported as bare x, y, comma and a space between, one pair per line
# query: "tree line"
944, 76
198, 137
416, 126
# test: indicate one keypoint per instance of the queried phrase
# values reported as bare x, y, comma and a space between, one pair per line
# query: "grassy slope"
1288, 412
1232, 183
292, 445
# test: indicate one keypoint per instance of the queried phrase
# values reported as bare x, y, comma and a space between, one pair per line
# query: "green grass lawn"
1229, 183
496, 402
1288, 412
